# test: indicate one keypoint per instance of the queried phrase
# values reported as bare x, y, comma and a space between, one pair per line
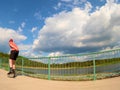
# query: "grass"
86, 77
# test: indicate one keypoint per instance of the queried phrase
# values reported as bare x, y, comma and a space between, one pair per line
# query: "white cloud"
6, 34
20, 28
26, 50
55, 54
28, 54
78, 31
111, 1
23, 24
25, 47
61, 31
70, 4
58, 6
34, 29
88, 6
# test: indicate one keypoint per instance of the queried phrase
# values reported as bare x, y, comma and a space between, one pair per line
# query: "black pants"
14, 54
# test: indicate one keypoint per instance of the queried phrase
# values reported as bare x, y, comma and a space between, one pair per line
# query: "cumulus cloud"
79, 31
26, 50
6, 34
24, 47
61, 31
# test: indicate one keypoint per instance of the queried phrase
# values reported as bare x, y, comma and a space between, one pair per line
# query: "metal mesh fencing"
4, 63
89, 66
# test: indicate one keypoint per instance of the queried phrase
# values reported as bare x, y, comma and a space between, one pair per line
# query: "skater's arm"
13, 46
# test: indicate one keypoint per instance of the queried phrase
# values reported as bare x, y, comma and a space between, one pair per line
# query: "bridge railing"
89, 66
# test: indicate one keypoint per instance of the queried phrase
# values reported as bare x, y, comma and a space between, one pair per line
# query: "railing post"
0, 63
49, 58
22, 66
94, 68
8, 67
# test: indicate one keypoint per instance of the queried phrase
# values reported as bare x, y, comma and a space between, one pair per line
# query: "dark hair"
11, 40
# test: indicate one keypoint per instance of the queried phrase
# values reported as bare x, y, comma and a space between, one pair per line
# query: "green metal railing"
89, 66
0, 63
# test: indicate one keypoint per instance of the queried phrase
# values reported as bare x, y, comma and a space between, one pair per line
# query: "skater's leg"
14, 73
11, 66
10, 71
10, 62
14, 67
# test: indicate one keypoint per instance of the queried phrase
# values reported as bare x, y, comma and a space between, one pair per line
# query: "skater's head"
11, 40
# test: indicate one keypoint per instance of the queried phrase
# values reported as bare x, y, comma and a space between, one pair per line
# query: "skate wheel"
10, 75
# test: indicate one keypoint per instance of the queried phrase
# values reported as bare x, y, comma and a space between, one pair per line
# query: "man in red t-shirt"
13, 56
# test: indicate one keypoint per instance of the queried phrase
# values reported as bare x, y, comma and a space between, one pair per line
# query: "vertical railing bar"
49, 58
22, 66
0, 63
94, 68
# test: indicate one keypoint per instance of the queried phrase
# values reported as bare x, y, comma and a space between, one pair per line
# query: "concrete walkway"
28, 83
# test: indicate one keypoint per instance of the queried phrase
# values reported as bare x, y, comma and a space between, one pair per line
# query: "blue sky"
57, 27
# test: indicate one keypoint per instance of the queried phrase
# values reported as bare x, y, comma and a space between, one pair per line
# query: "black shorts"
14, 54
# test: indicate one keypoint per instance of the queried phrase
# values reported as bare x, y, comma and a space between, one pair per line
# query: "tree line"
26, 62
